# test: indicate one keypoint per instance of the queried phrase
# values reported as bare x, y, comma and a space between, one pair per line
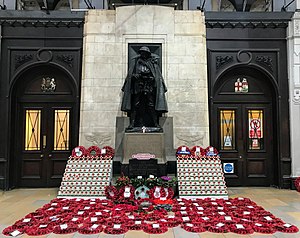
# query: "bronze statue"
144, 92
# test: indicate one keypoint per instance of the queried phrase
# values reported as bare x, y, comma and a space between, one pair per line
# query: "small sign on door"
228, 168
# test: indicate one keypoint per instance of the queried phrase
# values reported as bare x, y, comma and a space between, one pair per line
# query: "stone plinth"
153, 143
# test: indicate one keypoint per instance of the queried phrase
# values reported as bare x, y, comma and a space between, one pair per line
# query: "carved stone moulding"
21, 59
222, 60
265, 60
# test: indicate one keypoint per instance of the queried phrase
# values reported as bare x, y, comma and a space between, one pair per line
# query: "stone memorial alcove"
110, 37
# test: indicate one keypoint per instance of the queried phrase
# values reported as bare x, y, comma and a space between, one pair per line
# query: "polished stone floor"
284, 204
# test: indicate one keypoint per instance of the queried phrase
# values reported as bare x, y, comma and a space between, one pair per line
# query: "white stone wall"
107, 34
294, 88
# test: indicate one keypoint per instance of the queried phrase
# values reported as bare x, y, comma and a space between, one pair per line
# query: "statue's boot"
154, 117
132, 120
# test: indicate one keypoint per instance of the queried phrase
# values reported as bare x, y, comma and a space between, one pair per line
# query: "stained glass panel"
256, 129
61, 129
227, 129
33, 130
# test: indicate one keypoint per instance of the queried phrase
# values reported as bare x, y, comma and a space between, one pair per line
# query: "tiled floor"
284, 204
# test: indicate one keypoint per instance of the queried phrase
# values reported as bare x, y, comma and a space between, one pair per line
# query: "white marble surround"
294, 89
105, 53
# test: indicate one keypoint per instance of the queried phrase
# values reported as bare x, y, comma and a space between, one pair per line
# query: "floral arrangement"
126, 189
122, 181
166, 182
150, 182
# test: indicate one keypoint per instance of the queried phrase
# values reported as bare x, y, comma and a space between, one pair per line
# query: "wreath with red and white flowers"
190, 227
90, 229
65, 228
183, 150
108, 152
155, 228
94, 151
39, 229
241, 229
126, 193
79, 152
111, 192
211, 151
116, 229
287, 228
197, 151
297, 184
161, 193
263, 228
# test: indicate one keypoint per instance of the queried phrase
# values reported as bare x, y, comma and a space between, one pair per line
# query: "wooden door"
45, 138
244, 134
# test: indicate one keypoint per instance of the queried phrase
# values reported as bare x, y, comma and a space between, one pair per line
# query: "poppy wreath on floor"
90, 229
297, 184
92, 220
94, 151
160, 211
218, 228
155, 228
79, 151
115, 229
73, 219
228, 219
270, 220
53, 220
25, 222
13, 231
135, 225
241, 229
287, 228
65, 228
126, 194
39, 229
105, 203
124, 208
263, 228
153, 217
172, 221
193, 228
161, 193
111, 192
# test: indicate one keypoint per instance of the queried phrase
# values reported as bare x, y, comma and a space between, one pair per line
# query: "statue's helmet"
144, 49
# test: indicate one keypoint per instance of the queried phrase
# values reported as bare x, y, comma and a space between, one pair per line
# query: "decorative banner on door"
255, 128
228, 168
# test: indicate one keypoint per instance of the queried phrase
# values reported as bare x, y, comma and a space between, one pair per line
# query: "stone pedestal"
135, 143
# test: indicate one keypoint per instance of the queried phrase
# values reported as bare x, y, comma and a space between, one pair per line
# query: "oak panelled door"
45, 125
245, 139
45, 143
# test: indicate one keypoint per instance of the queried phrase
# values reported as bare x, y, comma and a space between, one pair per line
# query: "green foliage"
122, 181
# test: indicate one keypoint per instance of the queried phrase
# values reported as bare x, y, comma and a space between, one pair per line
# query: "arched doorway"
44, 105
244, 126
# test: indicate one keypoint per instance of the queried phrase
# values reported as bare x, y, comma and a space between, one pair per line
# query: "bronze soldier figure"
144, 91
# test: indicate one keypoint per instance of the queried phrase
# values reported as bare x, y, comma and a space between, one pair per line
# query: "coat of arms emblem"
48, 84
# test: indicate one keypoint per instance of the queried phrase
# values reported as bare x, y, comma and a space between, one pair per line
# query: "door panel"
46, 136
241, 136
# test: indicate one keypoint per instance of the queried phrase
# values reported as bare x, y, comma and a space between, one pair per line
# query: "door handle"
41, 156
50, 156
44, 141
240, 157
